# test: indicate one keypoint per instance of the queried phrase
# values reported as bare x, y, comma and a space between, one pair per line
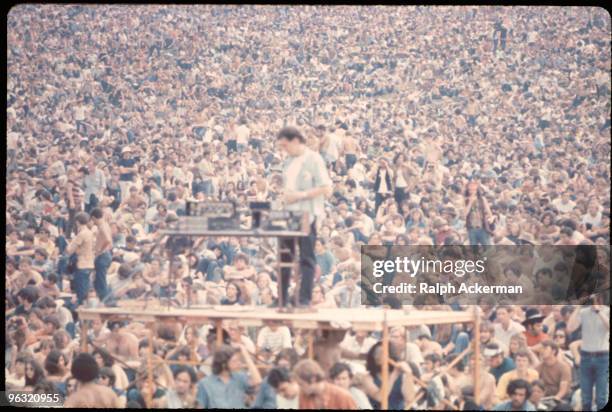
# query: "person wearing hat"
89, 394
498, 363
127, 169
533, 327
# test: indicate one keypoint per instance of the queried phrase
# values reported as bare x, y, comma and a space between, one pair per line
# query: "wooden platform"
369, 319
366, 319
197, 232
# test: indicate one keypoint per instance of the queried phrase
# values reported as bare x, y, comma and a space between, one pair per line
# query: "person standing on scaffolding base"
306, 184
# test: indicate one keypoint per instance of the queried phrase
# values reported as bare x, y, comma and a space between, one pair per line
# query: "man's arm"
254, 375
202, 396
322, 181
317, 191
564, 385
74, 244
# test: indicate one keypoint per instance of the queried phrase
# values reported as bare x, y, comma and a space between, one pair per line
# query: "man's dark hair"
287, 353
84, 368
519, 384
539, 384
276, 376
82, 218
97, 213
567, 310
42, 252
52, 362
107, 359
45, 387
522, 353
54, 320
184, 369
338, 368
29, 293
433, 358
109, 373
567, 231
290, 133
46, 302
552, 345
459, 365
39, 373
114, 325
221, 358
371, 366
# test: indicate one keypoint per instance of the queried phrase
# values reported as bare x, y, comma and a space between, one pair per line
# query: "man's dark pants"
81, 284
102, 263
307, 264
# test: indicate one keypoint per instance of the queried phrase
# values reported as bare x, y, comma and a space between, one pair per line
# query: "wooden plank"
149, 397
359, 319
476, 316
384, 375
233, 233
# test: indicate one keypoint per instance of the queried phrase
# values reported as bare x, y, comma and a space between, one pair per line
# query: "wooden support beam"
149, 399
310, 344
384, 402
83, 336
219, 324
476, 355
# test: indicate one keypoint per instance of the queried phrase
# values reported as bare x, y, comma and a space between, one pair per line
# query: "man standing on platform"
306, 183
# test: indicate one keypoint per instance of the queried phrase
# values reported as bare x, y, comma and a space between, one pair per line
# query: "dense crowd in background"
439, 125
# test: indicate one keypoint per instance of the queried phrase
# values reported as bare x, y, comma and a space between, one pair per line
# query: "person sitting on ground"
519, 392
315, 392
522, 371
341, 375
89, 394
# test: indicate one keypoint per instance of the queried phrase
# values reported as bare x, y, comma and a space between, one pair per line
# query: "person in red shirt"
316, 392
533, 327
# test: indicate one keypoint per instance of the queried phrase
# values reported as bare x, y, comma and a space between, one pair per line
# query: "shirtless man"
102, 250
121, 344
135, 200
89, 394
427, 346
98, 332
351, 151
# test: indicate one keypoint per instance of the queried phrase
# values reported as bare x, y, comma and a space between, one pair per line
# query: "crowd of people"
438, 126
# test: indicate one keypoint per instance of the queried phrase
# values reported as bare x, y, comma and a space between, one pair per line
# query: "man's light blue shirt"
214, 393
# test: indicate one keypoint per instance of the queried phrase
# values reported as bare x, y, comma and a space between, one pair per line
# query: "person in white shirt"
355, 346
505, 326
306, 184
564, 204
273, 338
593, 216
333, 147
243, 133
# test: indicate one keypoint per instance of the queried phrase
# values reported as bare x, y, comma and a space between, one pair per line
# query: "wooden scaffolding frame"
364, 319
